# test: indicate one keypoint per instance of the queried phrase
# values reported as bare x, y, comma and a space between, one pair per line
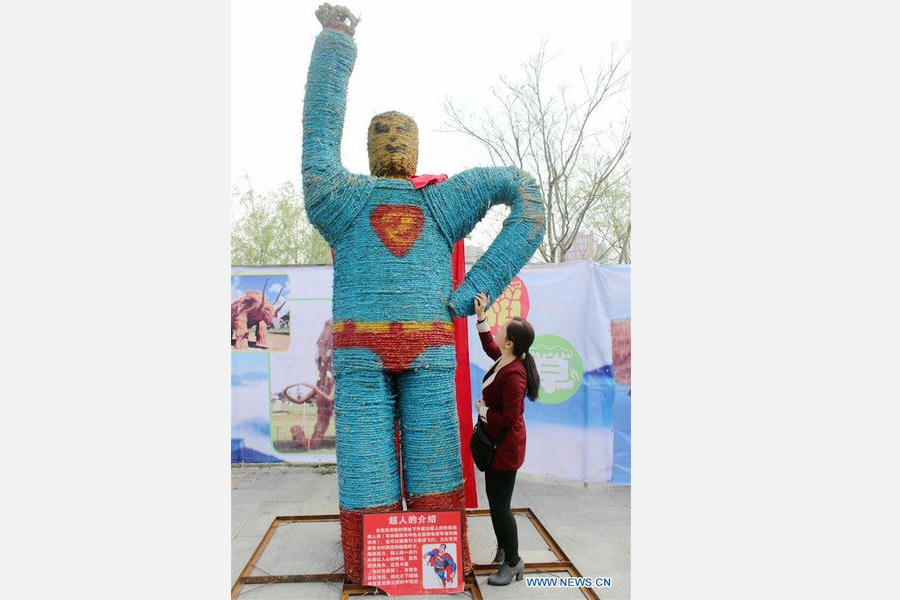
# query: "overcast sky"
412, 56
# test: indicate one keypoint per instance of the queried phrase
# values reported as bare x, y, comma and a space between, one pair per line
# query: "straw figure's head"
393, 145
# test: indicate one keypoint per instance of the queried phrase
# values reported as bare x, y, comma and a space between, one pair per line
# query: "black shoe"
499, 557
505, 573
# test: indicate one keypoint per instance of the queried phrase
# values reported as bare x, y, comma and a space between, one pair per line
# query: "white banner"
281, 409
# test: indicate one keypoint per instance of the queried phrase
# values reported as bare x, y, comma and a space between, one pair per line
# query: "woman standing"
501, 409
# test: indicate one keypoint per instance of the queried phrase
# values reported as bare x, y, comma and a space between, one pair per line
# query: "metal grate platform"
561, 564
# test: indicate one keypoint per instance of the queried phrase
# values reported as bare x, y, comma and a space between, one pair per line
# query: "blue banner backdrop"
580, 428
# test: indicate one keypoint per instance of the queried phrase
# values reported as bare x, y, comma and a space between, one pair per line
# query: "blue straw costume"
393, 302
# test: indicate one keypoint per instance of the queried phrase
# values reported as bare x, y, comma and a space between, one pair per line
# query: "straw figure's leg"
429, 437
368, 474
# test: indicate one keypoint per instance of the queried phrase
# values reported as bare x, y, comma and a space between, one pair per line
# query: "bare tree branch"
558, 139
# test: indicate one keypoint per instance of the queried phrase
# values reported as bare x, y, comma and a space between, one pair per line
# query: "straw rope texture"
393, 301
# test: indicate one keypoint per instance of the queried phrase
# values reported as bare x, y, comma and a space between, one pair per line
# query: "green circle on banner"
559, 366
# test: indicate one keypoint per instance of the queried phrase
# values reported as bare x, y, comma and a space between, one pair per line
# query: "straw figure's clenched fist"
338, 18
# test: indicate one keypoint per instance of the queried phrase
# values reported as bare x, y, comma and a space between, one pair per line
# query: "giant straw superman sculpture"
393, 301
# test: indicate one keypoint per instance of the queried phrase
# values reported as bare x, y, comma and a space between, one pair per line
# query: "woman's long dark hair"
521, 334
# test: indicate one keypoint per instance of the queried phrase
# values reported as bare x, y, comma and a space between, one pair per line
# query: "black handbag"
482, 446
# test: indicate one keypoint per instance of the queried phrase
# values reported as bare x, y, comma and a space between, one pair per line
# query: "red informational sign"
410, 553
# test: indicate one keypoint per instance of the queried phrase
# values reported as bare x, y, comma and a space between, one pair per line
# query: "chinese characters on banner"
408, 553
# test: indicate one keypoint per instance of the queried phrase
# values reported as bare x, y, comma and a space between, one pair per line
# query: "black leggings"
498, 486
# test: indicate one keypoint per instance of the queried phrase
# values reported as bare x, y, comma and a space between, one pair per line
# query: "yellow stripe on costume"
427, 326
384, 326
